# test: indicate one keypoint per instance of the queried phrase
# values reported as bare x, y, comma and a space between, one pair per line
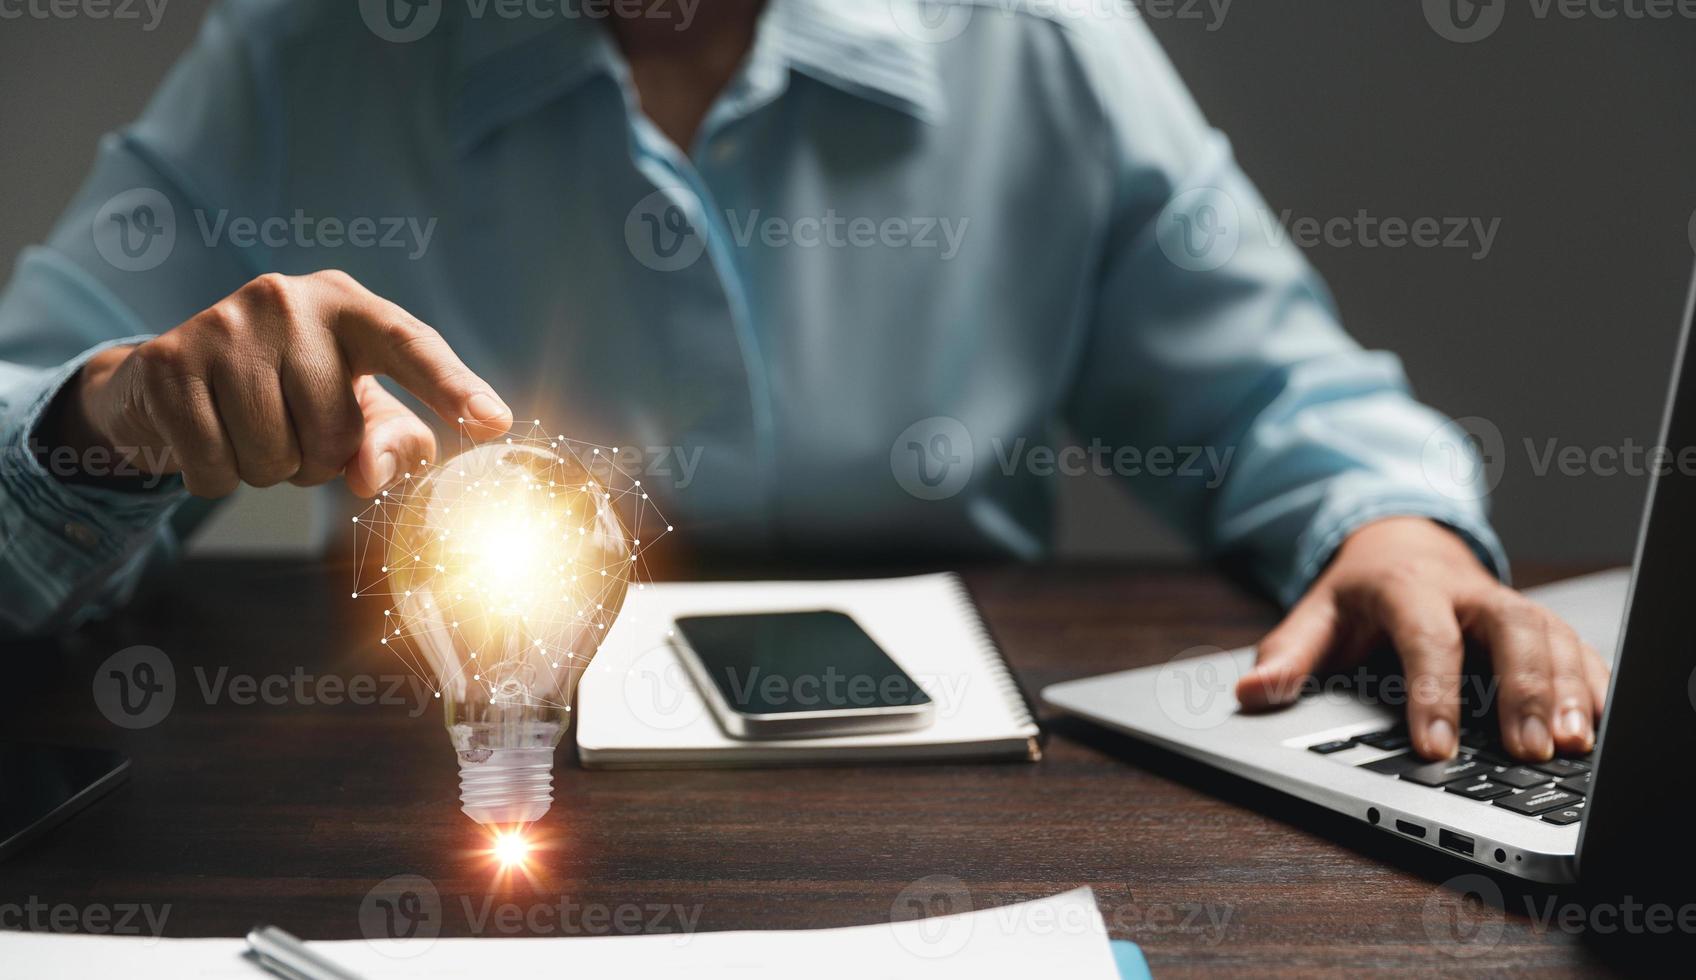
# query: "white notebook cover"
638, 708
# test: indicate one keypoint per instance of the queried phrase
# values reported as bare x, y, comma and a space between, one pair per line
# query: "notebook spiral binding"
1006, 681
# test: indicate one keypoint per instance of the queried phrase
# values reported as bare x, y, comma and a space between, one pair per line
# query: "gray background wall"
1579, 134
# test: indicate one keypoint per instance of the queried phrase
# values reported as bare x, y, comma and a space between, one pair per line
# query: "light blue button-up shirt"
915, 254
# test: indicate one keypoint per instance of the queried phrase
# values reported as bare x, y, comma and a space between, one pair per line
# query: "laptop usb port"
1411, 829
1459, 843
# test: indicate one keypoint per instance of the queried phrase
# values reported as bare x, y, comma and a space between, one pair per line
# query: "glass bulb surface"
505, 568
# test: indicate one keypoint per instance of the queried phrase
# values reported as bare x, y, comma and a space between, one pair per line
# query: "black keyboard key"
1534, 801
1562, 768
1566, 816
1442, 773
1520, 777
1579, 784
1395, 765
1481, 790
1326, 748
1388, 741
1492, 758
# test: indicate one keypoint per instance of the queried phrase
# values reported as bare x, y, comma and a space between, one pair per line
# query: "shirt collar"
860, 47
505, 68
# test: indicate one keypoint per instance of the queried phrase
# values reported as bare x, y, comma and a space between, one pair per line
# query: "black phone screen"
41, 785
797, 662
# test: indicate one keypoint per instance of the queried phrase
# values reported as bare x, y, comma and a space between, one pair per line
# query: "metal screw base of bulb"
511, 786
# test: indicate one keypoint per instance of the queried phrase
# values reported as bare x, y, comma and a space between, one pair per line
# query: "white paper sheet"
1060, 936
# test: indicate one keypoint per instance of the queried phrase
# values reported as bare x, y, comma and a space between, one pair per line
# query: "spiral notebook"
639, 709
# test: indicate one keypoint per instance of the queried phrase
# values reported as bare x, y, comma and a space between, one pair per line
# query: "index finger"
379, 337
1426, 634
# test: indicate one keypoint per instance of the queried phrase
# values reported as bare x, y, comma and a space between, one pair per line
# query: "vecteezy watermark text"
832, 230
935, 458
402, 916
663, 236
137, 687
302, 230
675, 465
1203, 228
136, 230
144, 466
940, 21
302, 687
1471, 21
1474, 235
929, 921
1467, 458
566, 916
148, 12
405, 21
93, 918
1205, 463
834, 688
1467, 916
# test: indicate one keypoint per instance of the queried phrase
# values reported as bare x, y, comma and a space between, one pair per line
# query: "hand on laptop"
1416, 584
277, 382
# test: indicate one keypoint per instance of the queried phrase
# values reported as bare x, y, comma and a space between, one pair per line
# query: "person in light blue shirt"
852, 274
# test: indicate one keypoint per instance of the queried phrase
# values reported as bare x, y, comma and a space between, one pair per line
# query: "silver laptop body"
1630, 833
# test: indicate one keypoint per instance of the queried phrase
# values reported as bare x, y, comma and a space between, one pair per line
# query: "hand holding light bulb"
504, 569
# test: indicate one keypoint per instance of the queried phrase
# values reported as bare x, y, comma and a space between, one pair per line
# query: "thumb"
1288, 655
395, 442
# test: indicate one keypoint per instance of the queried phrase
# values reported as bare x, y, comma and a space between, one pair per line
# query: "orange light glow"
516, 854
511, 849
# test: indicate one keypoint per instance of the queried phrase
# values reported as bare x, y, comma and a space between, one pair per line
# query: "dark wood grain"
292, 812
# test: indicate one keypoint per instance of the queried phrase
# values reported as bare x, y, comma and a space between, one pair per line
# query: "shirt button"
724, 150
82, 534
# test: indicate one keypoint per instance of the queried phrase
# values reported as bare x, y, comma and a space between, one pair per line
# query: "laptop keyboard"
1552, 791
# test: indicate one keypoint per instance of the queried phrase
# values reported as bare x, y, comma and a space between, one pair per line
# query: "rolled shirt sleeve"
68, 549
1210, 329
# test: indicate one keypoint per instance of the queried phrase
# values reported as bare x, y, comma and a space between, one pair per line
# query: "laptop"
1620, 817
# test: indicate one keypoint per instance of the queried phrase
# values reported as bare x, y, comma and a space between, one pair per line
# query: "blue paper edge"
1129, 959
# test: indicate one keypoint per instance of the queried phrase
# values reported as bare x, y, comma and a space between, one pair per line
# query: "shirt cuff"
62, 532
1336, 521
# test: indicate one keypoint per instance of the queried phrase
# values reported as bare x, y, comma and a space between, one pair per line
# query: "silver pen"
287, 957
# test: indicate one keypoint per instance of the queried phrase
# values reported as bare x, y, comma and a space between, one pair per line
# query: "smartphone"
41, 785
798, 675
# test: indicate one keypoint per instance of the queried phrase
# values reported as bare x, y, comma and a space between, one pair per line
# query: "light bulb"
504, 569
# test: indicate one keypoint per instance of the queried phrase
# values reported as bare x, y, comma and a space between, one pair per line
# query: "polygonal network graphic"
502, 569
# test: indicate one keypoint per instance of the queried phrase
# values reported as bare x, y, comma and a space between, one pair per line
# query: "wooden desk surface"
292, 812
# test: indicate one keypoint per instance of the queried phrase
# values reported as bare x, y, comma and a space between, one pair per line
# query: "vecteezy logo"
1465, 21
1200, 229
660, 692
660, 235
1464, 459
136, 687
929, 918
401, 916
1464, 915
934, 21
1197, 688
400, 21
932, 459
135, 230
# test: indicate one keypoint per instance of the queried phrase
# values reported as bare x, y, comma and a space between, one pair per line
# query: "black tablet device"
41, 785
